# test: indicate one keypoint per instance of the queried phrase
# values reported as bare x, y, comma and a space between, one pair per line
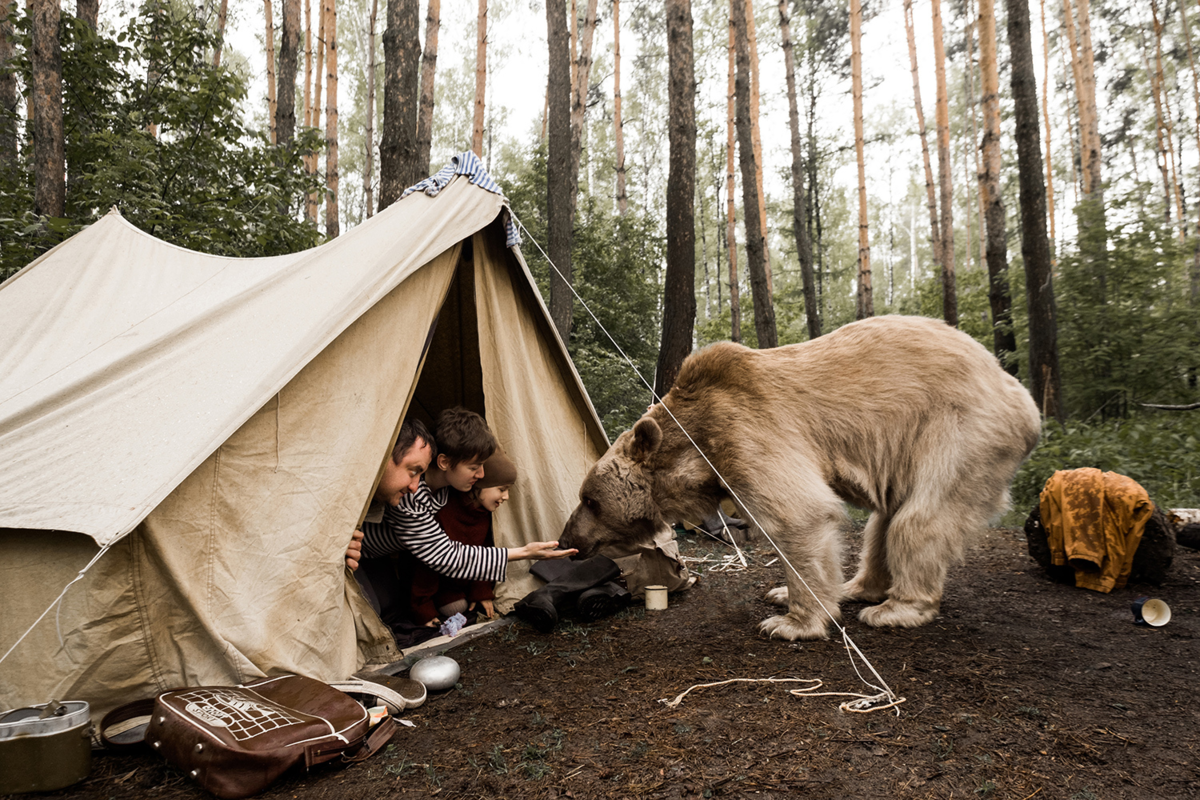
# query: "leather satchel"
235, 740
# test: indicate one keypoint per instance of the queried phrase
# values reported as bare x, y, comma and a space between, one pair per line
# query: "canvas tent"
219, 424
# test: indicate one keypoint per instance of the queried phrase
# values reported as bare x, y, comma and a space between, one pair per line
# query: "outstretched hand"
539, 551
354, 550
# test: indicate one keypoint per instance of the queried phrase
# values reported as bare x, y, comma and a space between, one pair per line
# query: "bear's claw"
789, 628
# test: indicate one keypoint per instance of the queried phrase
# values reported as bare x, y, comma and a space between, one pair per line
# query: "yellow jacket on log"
1094, 522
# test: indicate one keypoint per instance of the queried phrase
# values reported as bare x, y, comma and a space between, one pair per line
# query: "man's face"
462, 476
404, 478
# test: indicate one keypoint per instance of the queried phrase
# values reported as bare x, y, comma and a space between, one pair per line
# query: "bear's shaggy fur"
904, 416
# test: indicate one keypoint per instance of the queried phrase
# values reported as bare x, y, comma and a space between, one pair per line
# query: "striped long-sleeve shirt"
411, 526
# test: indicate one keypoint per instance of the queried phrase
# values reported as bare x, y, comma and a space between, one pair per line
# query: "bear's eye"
592, 505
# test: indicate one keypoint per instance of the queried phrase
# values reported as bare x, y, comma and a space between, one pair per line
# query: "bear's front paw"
790, 628
863, 591
778, 596
898, 614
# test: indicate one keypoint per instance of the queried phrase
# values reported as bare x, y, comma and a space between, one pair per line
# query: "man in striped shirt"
408, 501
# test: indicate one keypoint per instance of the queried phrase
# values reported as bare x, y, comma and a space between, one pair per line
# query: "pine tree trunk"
1035, 248
560, 188
1167, 125
764, 308
1194, 294
480, 78
1049, 127
865, 306
756, 136
270, 43
369, 154
399, 165
306, 115
8, 90
312, 207
799, 212
579, 92
86, 11
969, 93
679, 285
735, 308
1093, 239
935, 236
433, 21
946, 222
49, 159
1003, 337
289, 53
618, 127
222, 15
332, 224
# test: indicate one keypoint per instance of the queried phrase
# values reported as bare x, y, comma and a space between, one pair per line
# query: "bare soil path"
1021, 688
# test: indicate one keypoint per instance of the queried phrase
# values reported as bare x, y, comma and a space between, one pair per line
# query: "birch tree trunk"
735, 310
935, 236
1044, 375
369, 155
480, 78
332, 224
799, 212
270, 44
679, 285
49, 158
560, 187
764, 309
865, 306
433, 21
618, 128
222, 16
949, 293
8, 90
398, 158
1003, 337
289, 55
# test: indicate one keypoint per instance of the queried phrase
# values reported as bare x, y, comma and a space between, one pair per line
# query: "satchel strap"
321, 752
127, 739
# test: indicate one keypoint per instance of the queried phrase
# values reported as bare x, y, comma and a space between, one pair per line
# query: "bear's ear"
646, 438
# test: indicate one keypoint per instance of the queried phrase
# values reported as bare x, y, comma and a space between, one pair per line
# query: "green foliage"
154, 130
616, 271
1161, 451
1126, 332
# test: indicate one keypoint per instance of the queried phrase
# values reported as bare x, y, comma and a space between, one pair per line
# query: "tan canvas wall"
535, 405
240, 571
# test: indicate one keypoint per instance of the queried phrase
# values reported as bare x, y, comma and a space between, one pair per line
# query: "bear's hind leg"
922, 541
873, 579
816, 554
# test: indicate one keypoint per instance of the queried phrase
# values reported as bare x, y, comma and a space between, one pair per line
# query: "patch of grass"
497, 762
401, 767
1030, 711
681, 729
1083, 794
942, 748
432, 777
535, 648
985, 789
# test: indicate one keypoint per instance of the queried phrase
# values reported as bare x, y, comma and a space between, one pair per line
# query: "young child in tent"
466, 518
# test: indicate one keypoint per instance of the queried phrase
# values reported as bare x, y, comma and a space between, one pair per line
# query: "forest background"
697, 171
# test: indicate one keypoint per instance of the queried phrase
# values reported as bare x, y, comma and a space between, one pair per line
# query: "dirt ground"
1021, 688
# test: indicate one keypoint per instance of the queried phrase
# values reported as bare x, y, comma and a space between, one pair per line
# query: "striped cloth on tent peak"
467, 163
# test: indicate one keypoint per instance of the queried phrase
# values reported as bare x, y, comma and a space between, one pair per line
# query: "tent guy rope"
885, 698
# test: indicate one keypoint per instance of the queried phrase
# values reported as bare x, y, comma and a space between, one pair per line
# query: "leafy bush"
154, 130
1161, 451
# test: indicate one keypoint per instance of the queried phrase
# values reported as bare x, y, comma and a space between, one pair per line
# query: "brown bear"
904, 416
